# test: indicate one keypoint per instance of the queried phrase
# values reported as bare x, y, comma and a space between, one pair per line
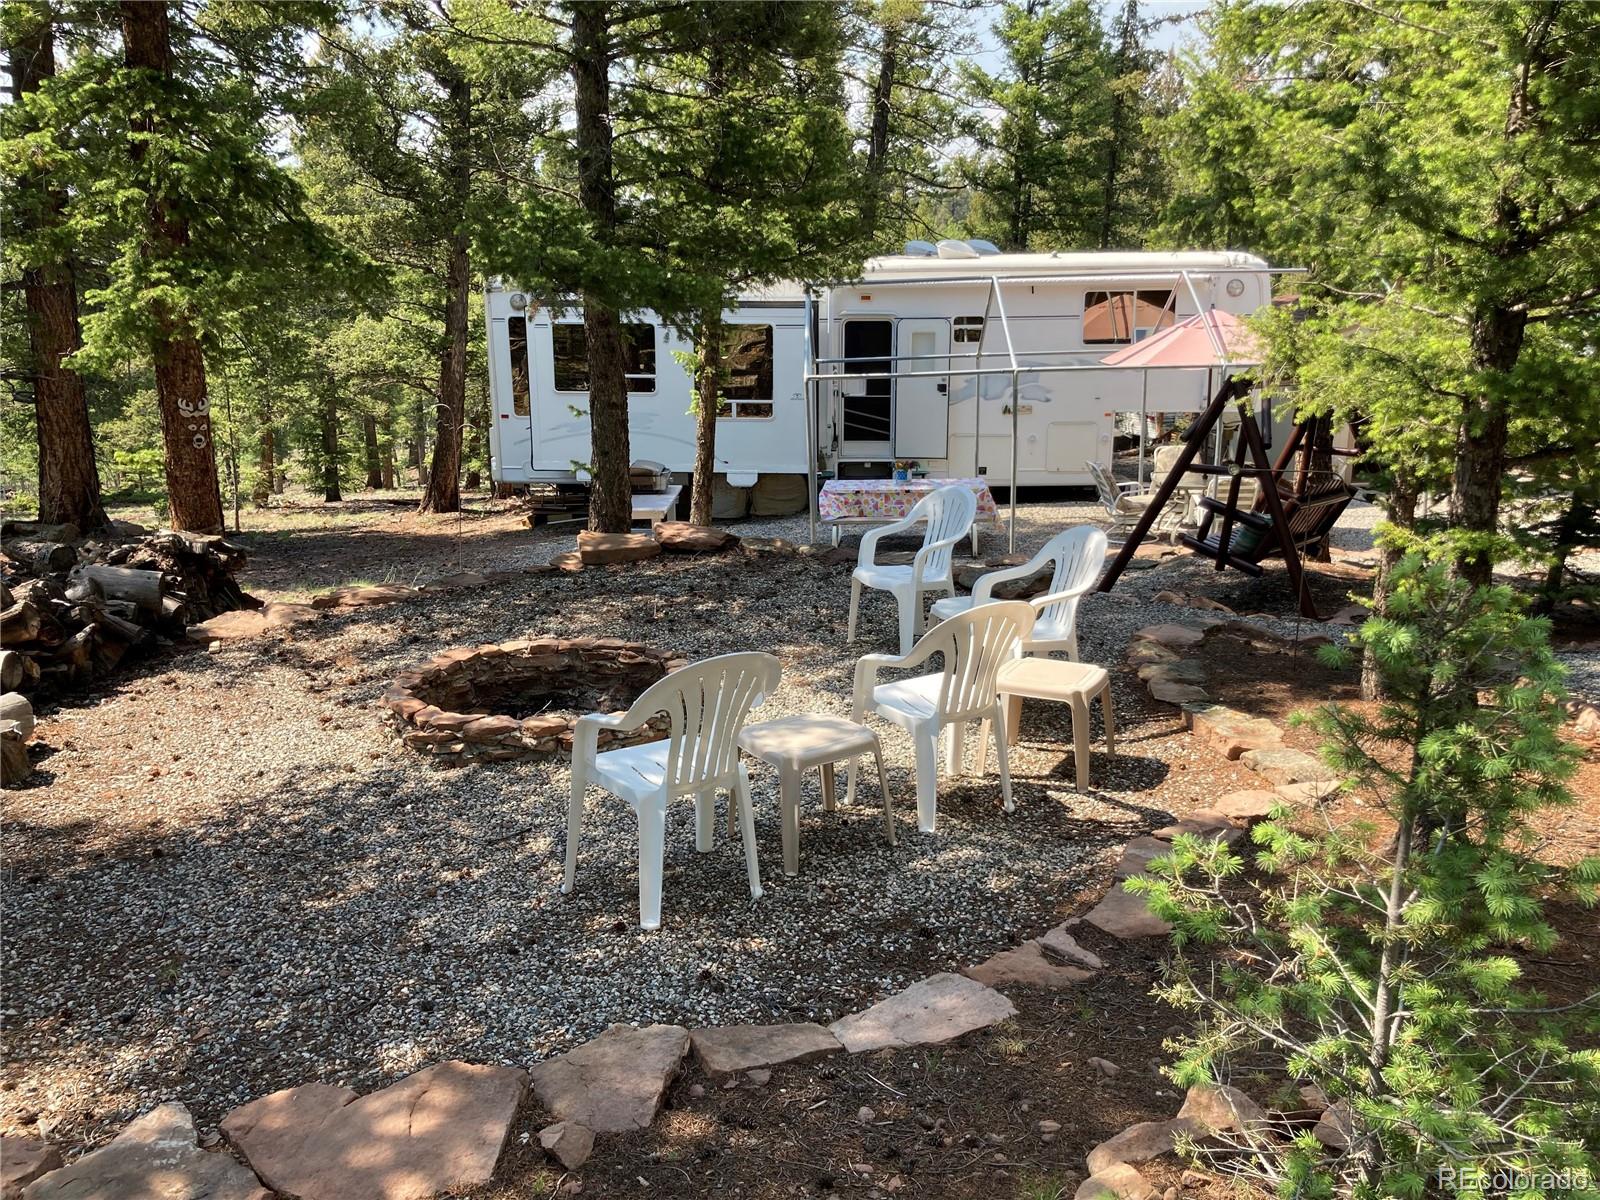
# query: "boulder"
1249, 806
1283, 764
601, 549
931, 1011
1064, 946
680, 537
1222, 1109
157, 1157
1230, 732
1312, 791
1126, 916
613, 1084
1178, 670
1141, 1142
731, 1048
1175, 693
439, 1130
1172, 635
569, 1143
22, 1160
1137, 854
1335, 1127
1205, 823
1118, 1182
1027, 966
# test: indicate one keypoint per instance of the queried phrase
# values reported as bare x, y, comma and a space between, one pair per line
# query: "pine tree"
1380, 964
69, 484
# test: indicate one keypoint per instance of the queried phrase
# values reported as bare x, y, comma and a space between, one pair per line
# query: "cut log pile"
71, 608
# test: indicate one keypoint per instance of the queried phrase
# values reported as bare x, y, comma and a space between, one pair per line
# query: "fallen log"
14, 764
17, 671
144, 588
18, 708
42, 558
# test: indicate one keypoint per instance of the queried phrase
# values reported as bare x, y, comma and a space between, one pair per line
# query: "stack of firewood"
71, 608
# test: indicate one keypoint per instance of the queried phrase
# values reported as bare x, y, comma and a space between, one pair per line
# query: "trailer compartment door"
922, 406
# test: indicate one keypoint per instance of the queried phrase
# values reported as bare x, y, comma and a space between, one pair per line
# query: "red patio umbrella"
1193, 342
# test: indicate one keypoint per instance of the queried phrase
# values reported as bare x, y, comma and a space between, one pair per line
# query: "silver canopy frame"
816, 379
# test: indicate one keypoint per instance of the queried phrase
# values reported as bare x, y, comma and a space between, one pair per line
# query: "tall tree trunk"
610, 496
266, 467
1402, 513
1481, 438
443, 493
877, 165
330, 443
708, 386
69, 484
193, 494
388, 450
369, 434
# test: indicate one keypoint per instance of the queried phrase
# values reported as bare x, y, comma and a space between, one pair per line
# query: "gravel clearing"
229, 878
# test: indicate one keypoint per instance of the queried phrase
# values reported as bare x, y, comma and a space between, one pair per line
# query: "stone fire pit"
521, 699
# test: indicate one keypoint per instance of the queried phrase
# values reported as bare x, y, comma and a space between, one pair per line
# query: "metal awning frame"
814, 378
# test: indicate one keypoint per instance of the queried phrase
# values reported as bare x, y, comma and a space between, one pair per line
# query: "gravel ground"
228, 877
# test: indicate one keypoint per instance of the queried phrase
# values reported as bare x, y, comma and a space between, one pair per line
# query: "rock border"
418, 694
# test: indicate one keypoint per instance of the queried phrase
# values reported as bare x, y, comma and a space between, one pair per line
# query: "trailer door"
922, 406
510, 386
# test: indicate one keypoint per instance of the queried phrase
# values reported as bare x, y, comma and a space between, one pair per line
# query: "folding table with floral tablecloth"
883, 501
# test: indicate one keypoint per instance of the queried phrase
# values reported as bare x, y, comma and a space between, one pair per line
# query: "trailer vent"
919, 249
952, 248
983, 247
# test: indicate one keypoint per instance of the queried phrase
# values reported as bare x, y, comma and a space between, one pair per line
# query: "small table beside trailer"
882, 501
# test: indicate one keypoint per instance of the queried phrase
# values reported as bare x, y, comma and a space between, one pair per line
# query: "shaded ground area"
960, 1120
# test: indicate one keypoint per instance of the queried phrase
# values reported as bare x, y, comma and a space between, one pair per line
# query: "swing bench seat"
1251, 537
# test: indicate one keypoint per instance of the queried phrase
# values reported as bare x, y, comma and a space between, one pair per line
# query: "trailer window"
570, 350
747, 371
518, 329
967, 329
1117, 318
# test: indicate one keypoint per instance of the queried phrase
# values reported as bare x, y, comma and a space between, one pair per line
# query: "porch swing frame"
1235, 390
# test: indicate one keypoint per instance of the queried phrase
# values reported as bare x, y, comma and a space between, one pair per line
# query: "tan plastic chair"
973, 646
707, 704
1071, 683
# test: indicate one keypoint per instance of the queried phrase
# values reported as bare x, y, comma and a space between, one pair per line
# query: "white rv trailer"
914, 361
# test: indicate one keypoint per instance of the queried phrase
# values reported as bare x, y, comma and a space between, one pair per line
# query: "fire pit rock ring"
522, 699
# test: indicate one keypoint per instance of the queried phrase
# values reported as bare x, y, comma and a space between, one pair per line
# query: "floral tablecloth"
891, 499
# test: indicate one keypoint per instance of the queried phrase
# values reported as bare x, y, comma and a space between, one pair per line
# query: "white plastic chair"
707, 703
973, 645
949, 512
1079, 554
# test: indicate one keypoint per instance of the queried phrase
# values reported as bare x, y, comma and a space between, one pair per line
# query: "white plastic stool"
795, 744
1071, 683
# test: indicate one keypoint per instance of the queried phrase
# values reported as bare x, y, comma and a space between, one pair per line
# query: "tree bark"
266, 468
443, 493
708, 387
877, 165
610, 496
1481, 437
369, 434
193, 494
330, 442
69, 484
